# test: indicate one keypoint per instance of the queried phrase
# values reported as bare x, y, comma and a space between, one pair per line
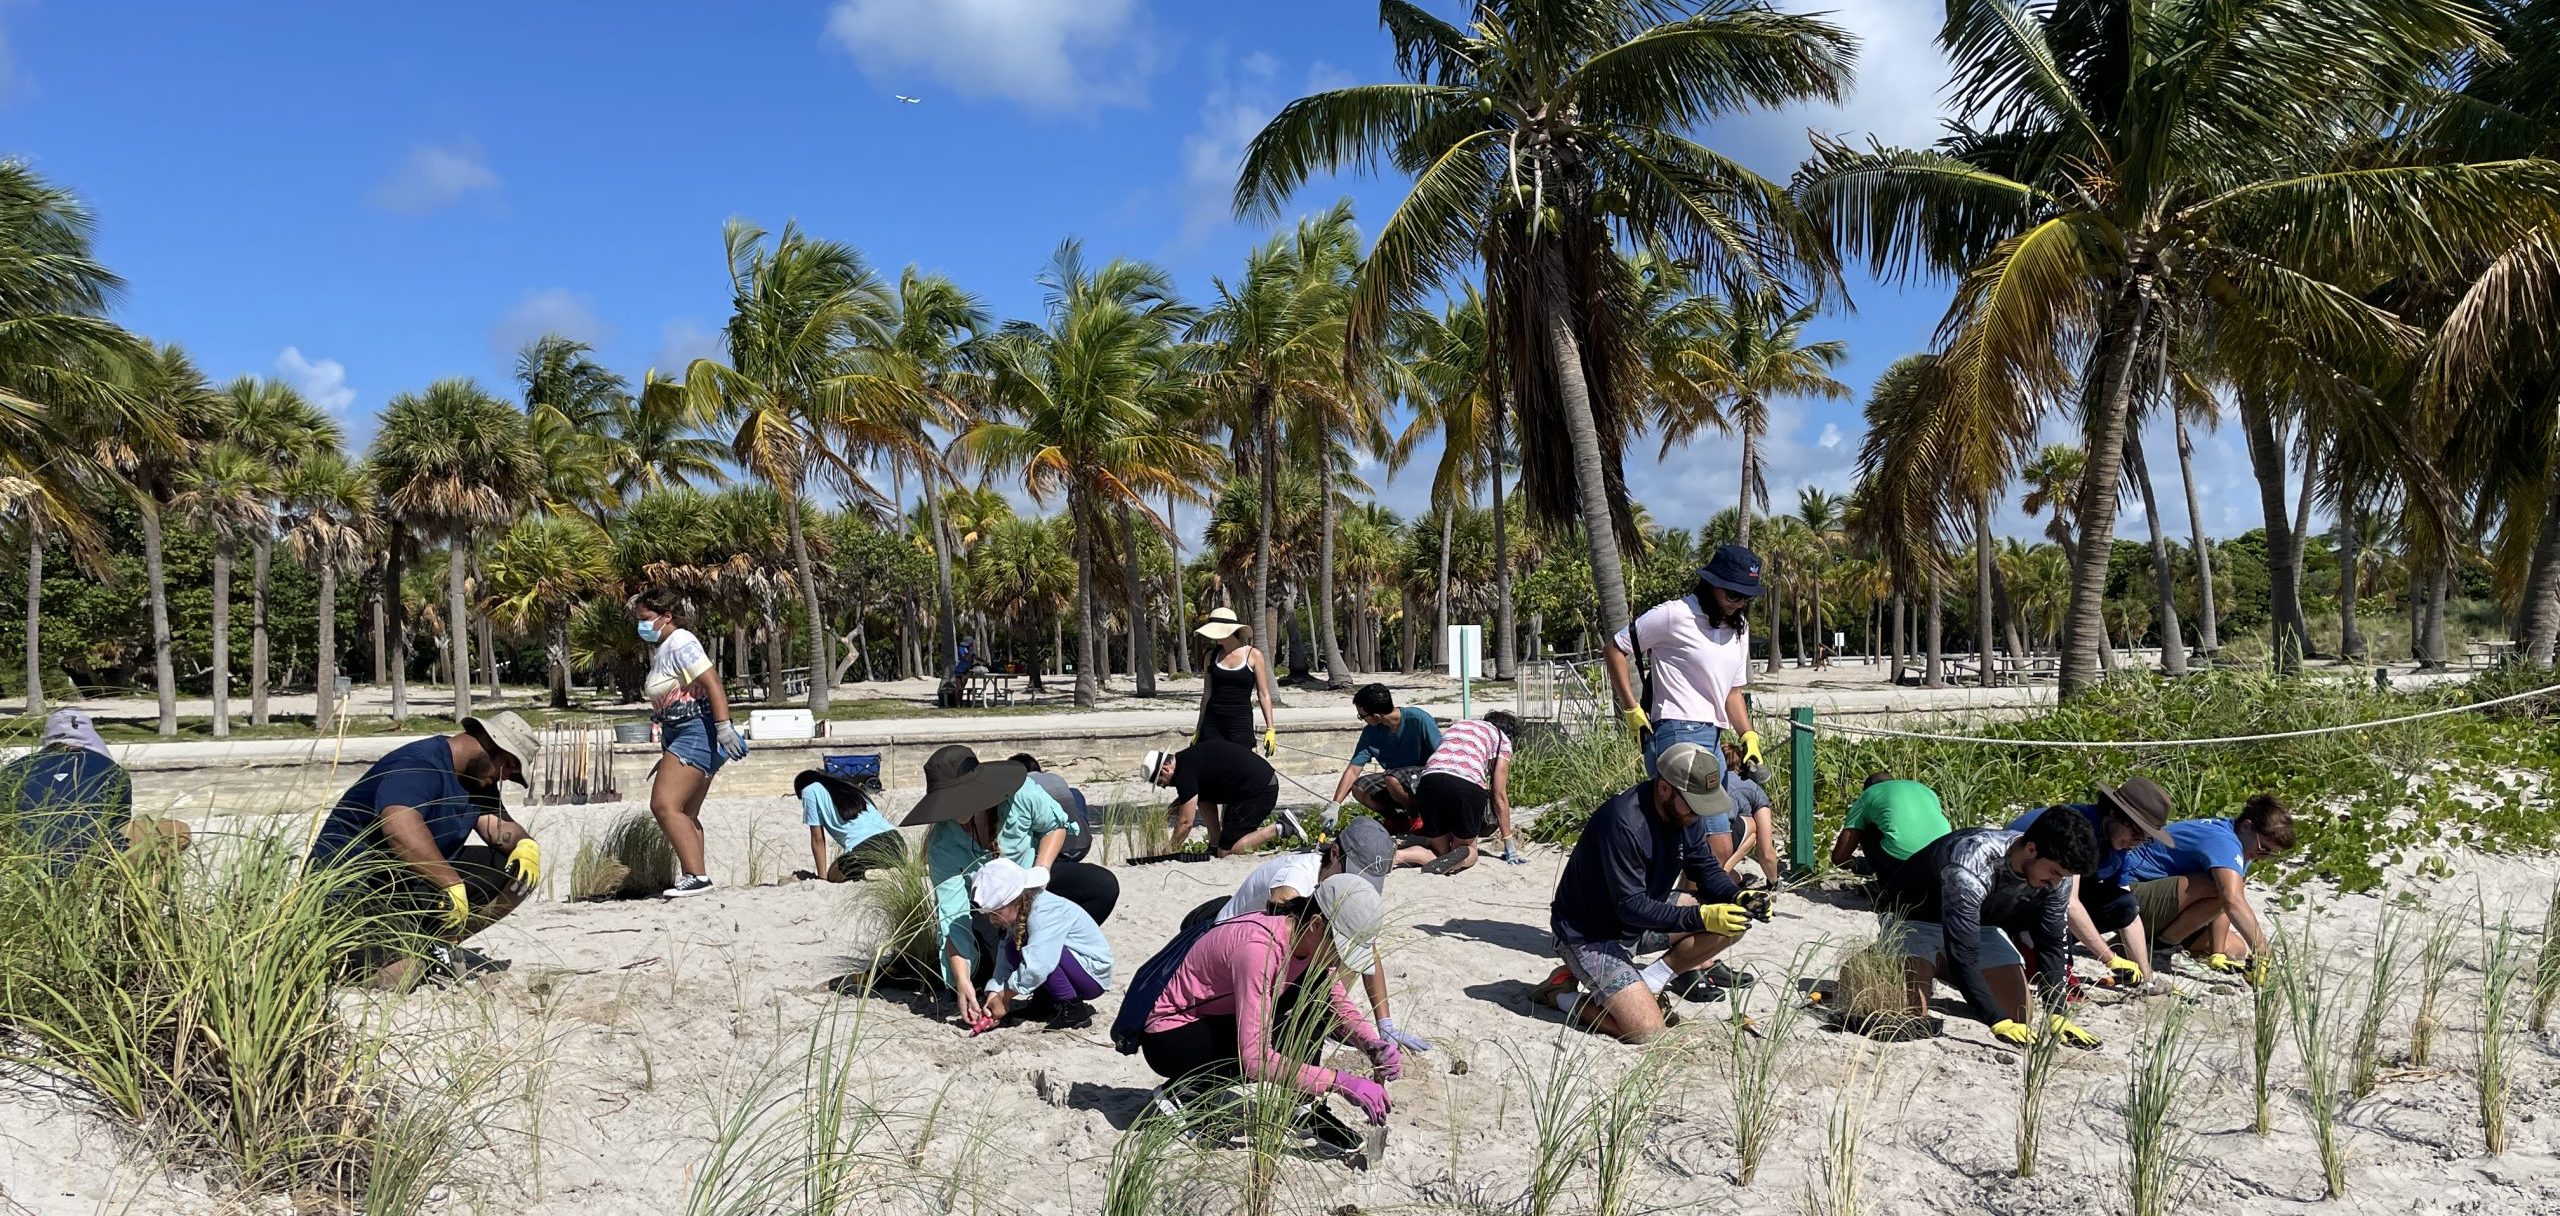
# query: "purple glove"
1387, 1058
1368, 1095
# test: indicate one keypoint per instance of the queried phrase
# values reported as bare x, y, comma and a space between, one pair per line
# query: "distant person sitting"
2121, 819
1891, 820
839, 813
1079, 814
403, 831
1401, 741
1464, 795
1051, 959
1615, 900
1952, 907
68, 796
2190, 891
1228, 787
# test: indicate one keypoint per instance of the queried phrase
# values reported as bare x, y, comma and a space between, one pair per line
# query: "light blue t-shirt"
818, 810
1057, 926
2196, 846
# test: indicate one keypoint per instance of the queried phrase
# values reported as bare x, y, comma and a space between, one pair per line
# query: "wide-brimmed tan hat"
2142, 801
1222, 621
508, 732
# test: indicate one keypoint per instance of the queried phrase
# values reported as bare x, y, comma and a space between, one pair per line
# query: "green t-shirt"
1906, 814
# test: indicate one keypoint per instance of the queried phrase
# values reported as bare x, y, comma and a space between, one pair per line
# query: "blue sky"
363, 198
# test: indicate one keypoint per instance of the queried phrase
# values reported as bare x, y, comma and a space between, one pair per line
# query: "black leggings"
1090, 887
1206, 1045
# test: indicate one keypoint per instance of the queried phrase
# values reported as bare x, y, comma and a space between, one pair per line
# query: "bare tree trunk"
1448, 531
1088, 688
2209, 626
1935, 674
556, 634
821, 656
1777, 602
2084, 635
163, 659
1178, 654
260, 554
1983, 575
1608, 573
947, 614
774, 660
488, 630
2284, 593
1750, 460
35, 614
457, 628
222, 638
381, 641
1336, 667
324, 676
1899, 615
2173, 642
2350, 556
399, 629
1266, 429
1506, 649
2540, 625
1142, 660
2432, 649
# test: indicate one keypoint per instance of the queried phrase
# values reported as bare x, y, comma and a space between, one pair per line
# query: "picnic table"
2489, 653
988, 688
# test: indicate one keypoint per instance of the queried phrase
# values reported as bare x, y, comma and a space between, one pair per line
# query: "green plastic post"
1800, 790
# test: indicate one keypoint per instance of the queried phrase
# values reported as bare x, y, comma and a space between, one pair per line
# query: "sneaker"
1073, 1015
1726, 977
1446, 863
1290, 826
1544, 995
688, 884
1697, 985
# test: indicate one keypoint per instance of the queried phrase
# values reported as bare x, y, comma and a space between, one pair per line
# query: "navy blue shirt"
1618, 882
417, 775
68, 798
2105, 865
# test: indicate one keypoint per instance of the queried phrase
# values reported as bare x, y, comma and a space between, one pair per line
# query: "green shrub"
1570, 776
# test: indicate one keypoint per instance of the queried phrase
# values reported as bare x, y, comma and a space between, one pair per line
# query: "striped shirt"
1468, 749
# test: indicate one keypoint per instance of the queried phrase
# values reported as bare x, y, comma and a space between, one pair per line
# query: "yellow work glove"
2070, 1033
2125, 970
524, 864
1270, 741
1751, 749
1725, 920
2226, 964
458, 913
2257, 972
2012, 1032
1636, 719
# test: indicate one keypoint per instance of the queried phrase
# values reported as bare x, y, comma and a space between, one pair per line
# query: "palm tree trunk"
2208, 624
35, 614
1177, 655
488, 631
1336, 667
1899, 615
1985, 573
2084, 628
2284, 595
2173, 642
557, 635
261, 552
222, 638
1599, 520
1750, 458
1935, 674
164, 667
457, 627
821, 658
2540, 627
381, 641
1266, 429
774, 693
397, 629
1448, 533
2350, 556
1777, 608
948, 616
1142, 656
2431, 648
1088, 689
1506, 648
324, 676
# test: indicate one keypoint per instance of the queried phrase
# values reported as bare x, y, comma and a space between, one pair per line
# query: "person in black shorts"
1464, 794
1228, 786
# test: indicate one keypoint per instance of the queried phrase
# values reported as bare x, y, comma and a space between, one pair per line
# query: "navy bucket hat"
1734, 568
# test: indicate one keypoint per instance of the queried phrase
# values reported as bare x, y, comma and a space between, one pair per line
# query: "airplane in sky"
913, 101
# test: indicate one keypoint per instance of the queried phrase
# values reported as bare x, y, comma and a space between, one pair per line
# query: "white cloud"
1323, 77
680, 342
1830, 436
556, 310
436, 176
1686, 488
1897, 94
321, 381
1076, 55
1239, 103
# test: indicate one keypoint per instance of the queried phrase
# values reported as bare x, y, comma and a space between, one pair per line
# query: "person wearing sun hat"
1699, 647
405, 828
839, 812
976, 811
1235, 676
2121, 818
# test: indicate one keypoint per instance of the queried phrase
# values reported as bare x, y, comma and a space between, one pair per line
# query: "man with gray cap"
1364, 849
1615, 900
68, 796
405, 827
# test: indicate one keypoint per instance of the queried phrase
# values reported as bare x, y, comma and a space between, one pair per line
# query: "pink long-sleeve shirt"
1238, 968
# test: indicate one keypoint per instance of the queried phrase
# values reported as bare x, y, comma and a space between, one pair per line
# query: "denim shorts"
1926, 940
689, 742
1673, 731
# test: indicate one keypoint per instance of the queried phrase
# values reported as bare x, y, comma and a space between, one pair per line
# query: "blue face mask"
649, 632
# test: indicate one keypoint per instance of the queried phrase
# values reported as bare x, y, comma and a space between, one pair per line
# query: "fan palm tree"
1020, 573
1082, 397
275, 426
2112, 169
1762, 353
538, 570
1535, 136
150, 462
229, 493
449, 463
801, 310
330, 527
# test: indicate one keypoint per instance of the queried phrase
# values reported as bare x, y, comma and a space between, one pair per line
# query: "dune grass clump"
804, 1135
1757, 1046
2267, 1023
2044, 1052
895, 905
1834, 1188
1874, 997
2382, 973
2546, 965
632, 861
2502, 963
2435, 965
2158, 1143
2322, 1035
1570, 775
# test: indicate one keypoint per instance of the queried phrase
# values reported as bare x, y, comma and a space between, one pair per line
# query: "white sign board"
1466, 652
1839, 641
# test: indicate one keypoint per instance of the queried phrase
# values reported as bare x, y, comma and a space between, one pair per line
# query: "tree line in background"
2333, 220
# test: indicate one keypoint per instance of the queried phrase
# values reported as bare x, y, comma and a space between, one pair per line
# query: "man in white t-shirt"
1700, 646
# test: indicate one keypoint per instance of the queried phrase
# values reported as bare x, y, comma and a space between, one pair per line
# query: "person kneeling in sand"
839, 812
1050, 957
1891, 820
978, 812
1234, 791
1401, 741
2190, 892
69, 797
1464, 795
1952, 907
1615, 901
1364, 849
2120, 820
401, 832
1240, 1000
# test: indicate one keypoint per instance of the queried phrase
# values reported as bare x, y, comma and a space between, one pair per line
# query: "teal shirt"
951, 858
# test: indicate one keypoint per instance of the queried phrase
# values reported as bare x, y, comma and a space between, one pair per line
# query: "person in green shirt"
1889, 822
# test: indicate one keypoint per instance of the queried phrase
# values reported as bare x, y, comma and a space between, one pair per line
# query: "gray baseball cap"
73, 728
1698, 773
1355, 913
1368, 851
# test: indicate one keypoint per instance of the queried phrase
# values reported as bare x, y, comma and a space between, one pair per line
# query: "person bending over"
1401, 741
2121, 818
1225, 786
1754, 827
1954, 904
979, 812
1050, 958
1254, 998
839, 812
1891, 820
401, 833
68, 797
2190, 891
1615, 900
1464, 795
1079, 813
1700, 651
1363, 849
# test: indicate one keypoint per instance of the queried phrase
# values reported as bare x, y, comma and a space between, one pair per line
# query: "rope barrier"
1886, 733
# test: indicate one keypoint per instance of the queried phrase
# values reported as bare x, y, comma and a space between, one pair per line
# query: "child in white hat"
1052, 959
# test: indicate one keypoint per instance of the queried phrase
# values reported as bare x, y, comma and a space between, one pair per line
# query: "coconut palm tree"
538, 570
450, 463
570, 401
1536, 136
2112, 169
1763, 356
1819, 512
658, 442
927, 341
229, 493
275, 426
1082, 397
329, 525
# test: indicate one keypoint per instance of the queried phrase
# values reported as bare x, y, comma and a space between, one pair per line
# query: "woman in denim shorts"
691, 709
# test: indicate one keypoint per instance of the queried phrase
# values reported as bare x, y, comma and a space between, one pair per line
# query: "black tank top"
1227, 711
